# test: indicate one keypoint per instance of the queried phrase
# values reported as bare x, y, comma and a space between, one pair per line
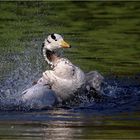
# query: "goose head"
55, 41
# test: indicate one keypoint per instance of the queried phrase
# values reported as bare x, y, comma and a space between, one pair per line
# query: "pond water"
69, 124
104, 37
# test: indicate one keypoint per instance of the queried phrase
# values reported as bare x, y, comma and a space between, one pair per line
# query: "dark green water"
105, 37
68, 125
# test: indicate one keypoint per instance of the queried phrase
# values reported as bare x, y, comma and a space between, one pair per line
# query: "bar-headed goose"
65, 78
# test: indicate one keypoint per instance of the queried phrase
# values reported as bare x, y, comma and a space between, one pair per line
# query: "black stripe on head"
53, 37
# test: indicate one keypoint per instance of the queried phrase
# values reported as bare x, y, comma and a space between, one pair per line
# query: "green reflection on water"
104, 35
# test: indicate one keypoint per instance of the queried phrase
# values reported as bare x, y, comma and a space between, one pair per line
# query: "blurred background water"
104, 37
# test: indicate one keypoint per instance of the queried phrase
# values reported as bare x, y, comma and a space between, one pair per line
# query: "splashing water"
119, 93
28, 69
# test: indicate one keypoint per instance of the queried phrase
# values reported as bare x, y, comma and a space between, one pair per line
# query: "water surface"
104, 37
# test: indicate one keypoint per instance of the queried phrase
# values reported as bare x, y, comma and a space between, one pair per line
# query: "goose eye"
53, 37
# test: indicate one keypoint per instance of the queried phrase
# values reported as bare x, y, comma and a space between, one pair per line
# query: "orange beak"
64, 44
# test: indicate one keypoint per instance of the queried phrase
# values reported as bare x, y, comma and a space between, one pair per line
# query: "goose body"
63, 80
